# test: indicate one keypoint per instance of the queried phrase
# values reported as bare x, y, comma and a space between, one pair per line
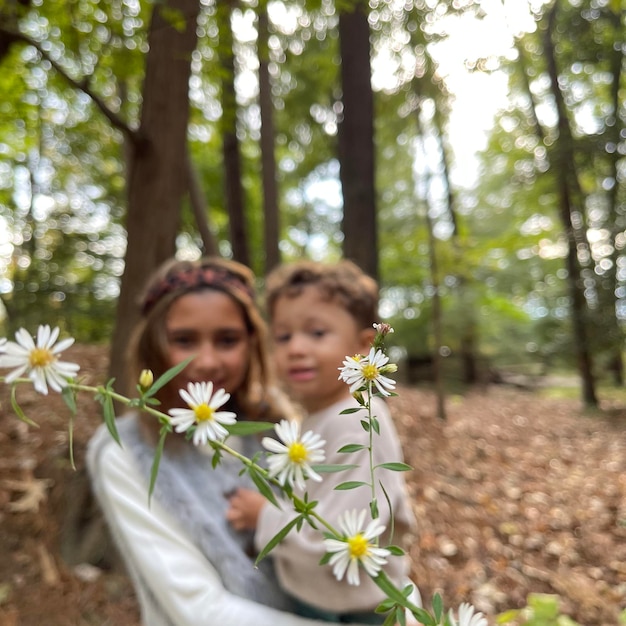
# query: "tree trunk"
356, 141
268, 159
562, 165
199, 209
157, 176
615, 219
233, 188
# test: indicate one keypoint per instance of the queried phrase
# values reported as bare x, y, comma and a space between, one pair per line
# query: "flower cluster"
293, 457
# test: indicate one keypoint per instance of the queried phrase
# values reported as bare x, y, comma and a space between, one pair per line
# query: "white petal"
219, 398
272, 445
353, 572
64, 344
24, 339
11, 376
39, 381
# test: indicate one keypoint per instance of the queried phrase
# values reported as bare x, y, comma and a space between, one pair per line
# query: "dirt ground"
513, 493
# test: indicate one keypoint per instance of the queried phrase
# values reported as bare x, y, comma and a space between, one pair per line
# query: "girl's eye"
229, 341
282, 338
318, 332
181, 341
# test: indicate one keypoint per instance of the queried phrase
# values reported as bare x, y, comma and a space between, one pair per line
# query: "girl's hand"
245, 508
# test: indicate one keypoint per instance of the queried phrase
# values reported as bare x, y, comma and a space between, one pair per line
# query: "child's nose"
297, 343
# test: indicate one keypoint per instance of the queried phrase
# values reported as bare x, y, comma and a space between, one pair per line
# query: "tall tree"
567, 187
156, 168
268, 160
356, 140
234, 195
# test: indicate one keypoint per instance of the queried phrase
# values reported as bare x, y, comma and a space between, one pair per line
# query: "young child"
188, 566
320, 314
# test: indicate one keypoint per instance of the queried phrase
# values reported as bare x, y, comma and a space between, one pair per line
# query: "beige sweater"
297, 558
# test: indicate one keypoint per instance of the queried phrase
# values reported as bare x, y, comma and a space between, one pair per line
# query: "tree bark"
268, 158
157, 176
562, 164
356, 141
233, 189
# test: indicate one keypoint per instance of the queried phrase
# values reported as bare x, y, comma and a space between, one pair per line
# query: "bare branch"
81, 85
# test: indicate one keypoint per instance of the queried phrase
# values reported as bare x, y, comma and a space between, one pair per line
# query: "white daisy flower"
357, 547
202, 412
39, 361
3, 342
292, 459
467, 616
359, 370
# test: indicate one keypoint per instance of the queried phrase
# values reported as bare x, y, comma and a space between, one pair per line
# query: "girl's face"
210, 326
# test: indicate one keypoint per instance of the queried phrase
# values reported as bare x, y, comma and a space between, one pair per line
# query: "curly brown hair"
342, 282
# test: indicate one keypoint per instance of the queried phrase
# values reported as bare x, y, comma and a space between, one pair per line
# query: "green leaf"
217, 457
331, 468
366, 425
390, 620
438, 606
374, 508
400, 616
392, 517
109, 417
154, 470
375, 425
507, 616
69, 396
248, 428
385, 605
395, 467
396, 551
351, 484
165, 378
277, 538
263, 486
351, 410
383, 582
18, 409
70, 438
352, 447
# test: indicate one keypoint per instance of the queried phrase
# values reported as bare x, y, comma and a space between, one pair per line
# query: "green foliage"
541, 610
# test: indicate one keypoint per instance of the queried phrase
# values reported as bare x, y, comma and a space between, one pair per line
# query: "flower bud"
383, 329
146, 378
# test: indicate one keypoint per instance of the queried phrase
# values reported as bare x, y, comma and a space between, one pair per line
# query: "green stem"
371, 442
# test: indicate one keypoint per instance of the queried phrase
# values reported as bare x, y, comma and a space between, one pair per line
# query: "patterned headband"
193, 279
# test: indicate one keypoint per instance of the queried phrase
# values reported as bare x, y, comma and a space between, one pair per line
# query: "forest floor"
514, 493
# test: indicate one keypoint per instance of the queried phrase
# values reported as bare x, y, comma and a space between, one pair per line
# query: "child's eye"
282, 338
318, 333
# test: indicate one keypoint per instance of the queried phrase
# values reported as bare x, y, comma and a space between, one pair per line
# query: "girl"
189, 567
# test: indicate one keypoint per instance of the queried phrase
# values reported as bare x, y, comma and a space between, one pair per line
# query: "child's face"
312, 337
211, 326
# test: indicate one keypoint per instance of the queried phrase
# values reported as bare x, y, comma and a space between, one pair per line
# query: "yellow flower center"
40, 357
203, 412
358, 546
369, 371
297, 453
